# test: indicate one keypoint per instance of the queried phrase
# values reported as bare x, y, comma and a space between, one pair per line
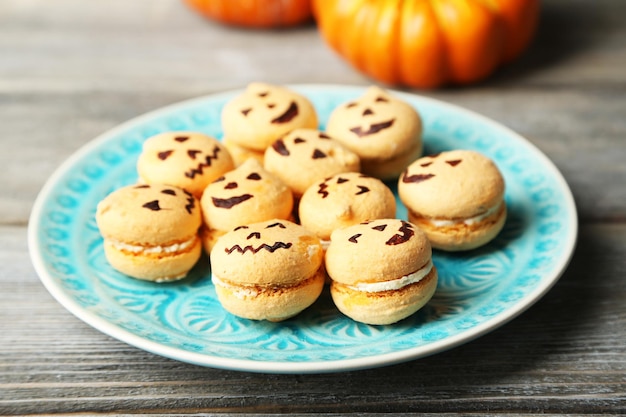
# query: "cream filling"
173, 248
394, 284
468, 221
240, 291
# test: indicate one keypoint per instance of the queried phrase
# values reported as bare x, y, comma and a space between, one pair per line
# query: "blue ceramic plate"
478, 291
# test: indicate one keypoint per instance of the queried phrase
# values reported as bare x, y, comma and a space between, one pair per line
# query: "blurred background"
80, 67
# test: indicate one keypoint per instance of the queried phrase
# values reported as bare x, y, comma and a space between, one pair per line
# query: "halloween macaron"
254, 119
269, 270
343, 200
456, 197
150, 231
304, 156
381, 271
188, 160
385, 131
247, 194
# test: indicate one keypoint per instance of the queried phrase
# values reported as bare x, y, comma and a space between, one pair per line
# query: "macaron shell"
451, 185
189, 160
241, 154
153, 267
264, 113
272, 253
304, 156
391, 169
386, 307
376, 125
149, 215
376, 251
248, 194
270, 303
344, 200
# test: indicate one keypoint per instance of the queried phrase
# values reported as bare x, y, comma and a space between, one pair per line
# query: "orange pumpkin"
427, 43
255, 13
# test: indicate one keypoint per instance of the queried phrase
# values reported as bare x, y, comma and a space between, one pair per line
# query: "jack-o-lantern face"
375, 125
129, 214
343, 200
386, 248
349, 186
265, 112
272, 252
389, 233
245, 195
261, 238
341, 184
304, 156
188, 160
159, 198
432, 166
451, 184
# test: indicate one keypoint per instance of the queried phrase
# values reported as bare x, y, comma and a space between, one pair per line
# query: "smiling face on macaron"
279, 252
452, 184
375, 125
343, 200
247, 194
372, 242
304, 156
265, 112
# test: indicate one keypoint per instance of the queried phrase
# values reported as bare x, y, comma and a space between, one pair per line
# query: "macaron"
189, 160
304, 156
343, 200
263, 113
385, 131
150, 231
381, 271
269, 270
456, 197
241, 154
247, 194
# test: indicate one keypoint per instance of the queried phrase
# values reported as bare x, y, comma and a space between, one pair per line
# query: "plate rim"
249, 365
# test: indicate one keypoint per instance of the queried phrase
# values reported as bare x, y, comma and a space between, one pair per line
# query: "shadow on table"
566, 29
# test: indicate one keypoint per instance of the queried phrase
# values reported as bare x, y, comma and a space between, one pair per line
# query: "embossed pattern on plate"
478, 290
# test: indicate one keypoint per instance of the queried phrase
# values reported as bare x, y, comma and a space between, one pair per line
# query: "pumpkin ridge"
427, 43
384, 42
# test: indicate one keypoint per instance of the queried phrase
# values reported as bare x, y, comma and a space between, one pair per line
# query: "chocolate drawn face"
168, 198
454, 185
305, 144
265, 104
247, 194
268, 236
350, 183
431, 167
243, 186
311, 149
372, 115
159, 199
390, 232
183, 159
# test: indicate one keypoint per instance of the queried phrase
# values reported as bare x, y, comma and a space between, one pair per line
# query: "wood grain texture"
70, 70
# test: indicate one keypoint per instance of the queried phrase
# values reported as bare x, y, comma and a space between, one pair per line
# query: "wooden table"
72, 69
